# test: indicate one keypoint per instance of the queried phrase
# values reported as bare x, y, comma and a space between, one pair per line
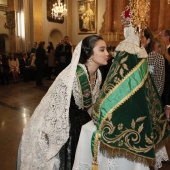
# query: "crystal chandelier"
59, 10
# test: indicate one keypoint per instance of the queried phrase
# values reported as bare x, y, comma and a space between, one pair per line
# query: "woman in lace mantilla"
50, 138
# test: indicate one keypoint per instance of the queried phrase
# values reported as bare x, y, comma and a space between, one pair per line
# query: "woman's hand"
167, 111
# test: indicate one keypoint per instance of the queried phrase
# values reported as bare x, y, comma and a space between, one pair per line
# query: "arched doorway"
55, 37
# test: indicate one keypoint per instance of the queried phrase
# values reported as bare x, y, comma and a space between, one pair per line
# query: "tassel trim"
95, 166
117, 152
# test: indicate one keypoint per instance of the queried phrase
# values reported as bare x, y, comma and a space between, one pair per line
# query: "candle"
112, 36
116, 36
108, 36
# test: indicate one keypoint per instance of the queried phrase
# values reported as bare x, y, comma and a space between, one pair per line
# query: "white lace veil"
48, 128
131, 43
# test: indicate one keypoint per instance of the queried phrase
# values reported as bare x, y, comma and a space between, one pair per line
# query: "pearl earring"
90, 61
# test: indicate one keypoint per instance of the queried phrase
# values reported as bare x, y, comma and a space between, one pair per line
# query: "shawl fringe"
117, 152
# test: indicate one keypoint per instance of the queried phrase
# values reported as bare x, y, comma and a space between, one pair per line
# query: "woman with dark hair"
50, 138
40, 63
155, 59
165, 36
147, 40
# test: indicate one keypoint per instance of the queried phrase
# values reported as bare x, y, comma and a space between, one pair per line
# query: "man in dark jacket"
63, 54
40, 63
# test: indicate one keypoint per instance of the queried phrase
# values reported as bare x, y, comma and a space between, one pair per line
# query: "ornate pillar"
120, 9
37, 20
12, 40
162, 11
109, 16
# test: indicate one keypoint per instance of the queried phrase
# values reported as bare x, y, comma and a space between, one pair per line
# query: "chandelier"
59, 10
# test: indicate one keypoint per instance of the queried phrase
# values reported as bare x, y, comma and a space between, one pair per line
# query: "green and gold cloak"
130, 118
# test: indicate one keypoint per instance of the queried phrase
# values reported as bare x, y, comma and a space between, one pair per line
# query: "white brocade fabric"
84, 159
131, 43
48, 128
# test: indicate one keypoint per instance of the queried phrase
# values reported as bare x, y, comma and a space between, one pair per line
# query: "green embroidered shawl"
131, 122
84, 84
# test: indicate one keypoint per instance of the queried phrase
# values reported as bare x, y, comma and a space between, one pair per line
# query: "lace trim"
161, 155
131, 43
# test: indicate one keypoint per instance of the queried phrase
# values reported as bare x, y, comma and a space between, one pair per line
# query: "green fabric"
129, 113
85, 87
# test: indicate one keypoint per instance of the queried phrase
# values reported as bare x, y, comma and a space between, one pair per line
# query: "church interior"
24, 22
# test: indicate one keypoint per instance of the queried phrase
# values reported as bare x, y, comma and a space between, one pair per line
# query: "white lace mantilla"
48, 128
131, 43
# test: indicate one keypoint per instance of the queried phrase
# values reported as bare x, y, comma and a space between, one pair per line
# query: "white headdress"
48, 128
134, 18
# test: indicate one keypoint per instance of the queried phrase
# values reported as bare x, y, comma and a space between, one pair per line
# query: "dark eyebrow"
102, 47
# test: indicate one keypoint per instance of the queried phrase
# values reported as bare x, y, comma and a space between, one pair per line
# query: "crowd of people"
41, 62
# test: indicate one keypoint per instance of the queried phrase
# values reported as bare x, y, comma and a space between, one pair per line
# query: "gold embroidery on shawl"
125, 133
117, 86
155, 108
107, 87
109, 114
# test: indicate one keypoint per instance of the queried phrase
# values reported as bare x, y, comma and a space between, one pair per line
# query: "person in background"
4, 70
40, 63
155, 58
50, 59
50, 138
165, 36
32, 60
25, 67
63, 54
13, 63
32, 66
33, 49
